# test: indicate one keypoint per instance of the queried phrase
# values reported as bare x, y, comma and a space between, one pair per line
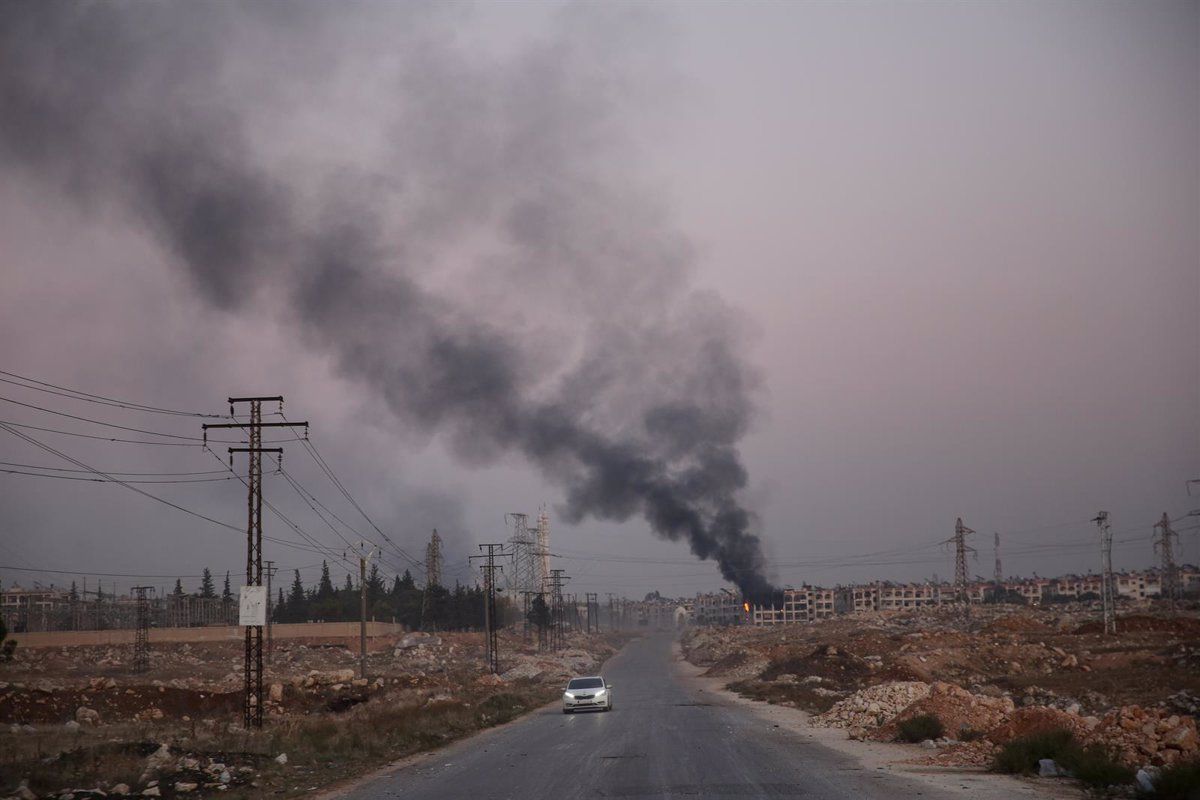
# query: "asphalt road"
663, 739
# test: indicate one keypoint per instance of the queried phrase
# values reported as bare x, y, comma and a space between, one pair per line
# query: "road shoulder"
878, 756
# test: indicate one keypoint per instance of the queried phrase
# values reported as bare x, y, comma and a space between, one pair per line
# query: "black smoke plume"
211, 127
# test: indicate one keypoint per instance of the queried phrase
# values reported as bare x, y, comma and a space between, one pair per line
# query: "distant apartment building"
718, 608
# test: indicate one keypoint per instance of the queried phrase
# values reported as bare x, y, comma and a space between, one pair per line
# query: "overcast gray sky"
902, 262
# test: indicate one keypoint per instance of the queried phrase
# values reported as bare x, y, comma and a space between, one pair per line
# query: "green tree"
325, 585
178, 590
227, 593
375, 586
74, 596
297, 602
207, 590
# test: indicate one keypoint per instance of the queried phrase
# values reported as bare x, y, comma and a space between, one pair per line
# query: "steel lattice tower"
543, 549
141, 639
1164, 544
524, 577
1108, 595
960, 563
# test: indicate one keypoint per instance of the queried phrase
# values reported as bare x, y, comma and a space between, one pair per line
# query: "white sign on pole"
252, 608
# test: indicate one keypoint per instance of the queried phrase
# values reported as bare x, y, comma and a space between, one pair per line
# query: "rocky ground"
1003, 673
76, 722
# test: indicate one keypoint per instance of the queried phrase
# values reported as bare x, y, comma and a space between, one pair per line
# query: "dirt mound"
956, 708
1036, 719
1137, 623
1016, 623
736, 665
828, 662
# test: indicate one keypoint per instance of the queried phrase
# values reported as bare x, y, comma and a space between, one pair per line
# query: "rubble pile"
1138, 736
872, 707
961, 713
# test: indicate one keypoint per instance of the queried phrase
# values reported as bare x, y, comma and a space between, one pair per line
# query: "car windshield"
585, 683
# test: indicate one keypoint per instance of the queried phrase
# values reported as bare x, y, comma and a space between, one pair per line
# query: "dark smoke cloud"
619, 382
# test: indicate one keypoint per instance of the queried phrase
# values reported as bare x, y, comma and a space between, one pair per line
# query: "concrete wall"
321, 631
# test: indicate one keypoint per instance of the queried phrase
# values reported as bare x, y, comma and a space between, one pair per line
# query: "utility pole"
592, 604
960, 564
556, 605
141, 639
1169, 583
363, 558
252, 693
998, 578
527, 605
491, 635
1108, 595
270, 570
612, 622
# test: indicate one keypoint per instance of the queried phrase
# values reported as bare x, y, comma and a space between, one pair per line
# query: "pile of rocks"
1139, 736
873, 706
958, 710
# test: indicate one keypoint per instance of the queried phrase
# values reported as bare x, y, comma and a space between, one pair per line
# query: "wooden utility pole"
252, 695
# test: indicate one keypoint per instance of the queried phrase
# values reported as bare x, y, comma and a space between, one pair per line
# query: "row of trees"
433, 608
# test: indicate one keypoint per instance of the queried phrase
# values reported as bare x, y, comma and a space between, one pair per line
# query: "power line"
127, 485
333, 478
76, 394
112, 480
90, 573
115, 472
117, 481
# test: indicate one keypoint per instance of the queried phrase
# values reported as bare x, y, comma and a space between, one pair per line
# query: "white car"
593, 692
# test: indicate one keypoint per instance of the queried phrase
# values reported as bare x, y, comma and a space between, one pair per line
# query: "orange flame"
746, 606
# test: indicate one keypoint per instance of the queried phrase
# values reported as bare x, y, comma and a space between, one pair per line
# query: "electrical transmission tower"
960, 563
543, 550
141, 638
252, 695
490, 623
523, 578
1165, 546
555, 584
1108, 595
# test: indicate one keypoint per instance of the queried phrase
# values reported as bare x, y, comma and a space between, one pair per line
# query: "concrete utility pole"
363, 558
998, 577
1108, 595
490, 623
270, 571
141, 639
1165, 546
252, 693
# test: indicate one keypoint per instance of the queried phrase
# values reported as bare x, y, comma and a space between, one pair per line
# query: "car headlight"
568, 696
601, 692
